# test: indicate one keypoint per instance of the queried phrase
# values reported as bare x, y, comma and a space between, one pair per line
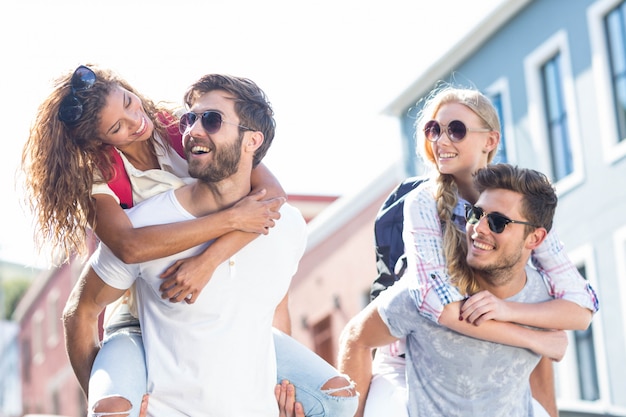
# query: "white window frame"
613, 150
501, 87
53, 327
37, 338
619, 243
568, 393
537, 124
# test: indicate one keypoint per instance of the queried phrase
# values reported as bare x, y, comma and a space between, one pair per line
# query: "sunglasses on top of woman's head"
71, 108
497, 222
211, 122
456, 130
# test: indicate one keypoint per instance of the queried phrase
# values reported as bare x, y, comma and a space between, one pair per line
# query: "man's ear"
253, 141
535, 238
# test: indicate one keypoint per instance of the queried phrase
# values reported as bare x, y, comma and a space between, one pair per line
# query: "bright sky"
329, 67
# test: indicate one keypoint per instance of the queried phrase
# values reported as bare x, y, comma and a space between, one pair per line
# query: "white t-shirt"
214, 357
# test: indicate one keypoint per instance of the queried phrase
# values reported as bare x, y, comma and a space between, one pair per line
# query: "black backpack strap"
389, 247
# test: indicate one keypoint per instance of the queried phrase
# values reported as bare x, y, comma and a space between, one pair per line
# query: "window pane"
616, 39
586, 356
556, 116
500, 157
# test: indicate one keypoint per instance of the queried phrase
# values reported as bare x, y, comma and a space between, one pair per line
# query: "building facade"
47, 379
556, 70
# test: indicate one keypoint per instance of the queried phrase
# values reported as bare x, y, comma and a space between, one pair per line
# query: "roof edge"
345, 208
464, 48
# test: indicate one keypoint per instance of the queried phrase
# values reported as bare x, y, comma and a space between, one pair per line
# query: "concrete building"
47, 380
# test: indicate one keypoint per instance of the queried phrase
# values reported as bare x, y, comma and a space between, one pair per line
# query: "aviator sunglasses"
71, 108
497, 222
456, 130
211, 122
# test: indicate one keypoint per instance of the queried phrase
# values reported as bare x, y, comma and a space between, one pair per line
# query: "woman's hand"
286, 397
484, 306
254, 215
143, 410
185, 278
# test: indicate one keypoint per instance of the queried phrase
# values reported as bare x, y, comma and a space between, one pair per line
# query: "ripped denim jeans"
118, 377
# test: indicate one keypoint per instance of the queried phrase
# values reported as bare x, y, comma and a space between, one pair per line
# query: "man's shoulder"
291, 226
292, 215
536, 288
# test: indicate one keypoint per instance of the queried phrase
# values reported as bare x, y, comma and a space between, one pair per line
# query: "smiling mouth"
480, 245
142, 127
200, 150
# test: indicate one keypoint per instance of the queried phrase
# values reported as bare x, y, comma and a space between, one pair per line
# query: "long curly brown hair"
61, 162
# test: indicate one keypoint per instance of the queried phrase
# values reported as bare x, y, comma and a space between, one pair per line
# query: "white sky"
328, 66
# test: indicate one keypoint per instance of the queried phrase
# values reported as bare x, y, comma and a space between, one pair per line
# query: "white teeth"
200, 149
482, 246
447, 155
143, 124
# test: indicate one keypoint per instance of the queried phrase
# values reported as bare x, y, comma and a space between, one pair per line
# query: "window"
556, 119
586, 358
615, 24
498, 93
27, 362
552, 113
607, 31
582, 377
323, 339
53, 316
37, 337
619, 242
501, 154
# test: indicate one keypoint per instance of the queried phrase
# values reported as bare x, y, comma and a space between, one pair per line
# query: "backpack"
120, 183
389, 247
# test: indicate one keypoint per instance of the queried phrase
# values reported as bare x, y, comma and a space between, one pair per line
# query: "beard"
499, 272
225, 163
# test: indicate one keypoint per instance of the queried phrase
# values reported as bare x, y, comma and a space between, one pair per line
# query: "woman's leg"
118, 376
388, 395
320, 388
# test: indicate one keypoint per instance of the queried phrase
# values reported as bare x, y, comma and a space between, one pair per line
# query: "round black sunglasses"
71, 108
456, 130
497, 222
211, 122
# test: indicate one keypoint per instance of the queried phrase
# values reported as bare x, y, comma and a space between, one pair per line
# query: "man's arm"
550, 343
88, 299
363, 332
542, 386
282, 319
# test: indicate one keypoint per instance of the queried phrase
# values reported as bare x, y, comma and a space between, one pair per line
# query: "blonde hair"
446, 192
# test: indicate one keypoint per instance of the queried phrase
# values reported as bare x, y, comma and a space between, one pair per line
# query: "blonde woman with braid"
458, 133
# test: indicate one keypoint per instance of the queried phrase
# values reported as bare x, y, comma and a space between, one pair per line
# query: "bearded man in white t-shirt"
214, 357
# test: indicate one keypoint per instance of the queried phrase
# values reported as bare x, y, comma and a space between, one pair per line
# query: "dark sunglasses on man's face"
497, 222
456, 130
71, 108
211, 122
